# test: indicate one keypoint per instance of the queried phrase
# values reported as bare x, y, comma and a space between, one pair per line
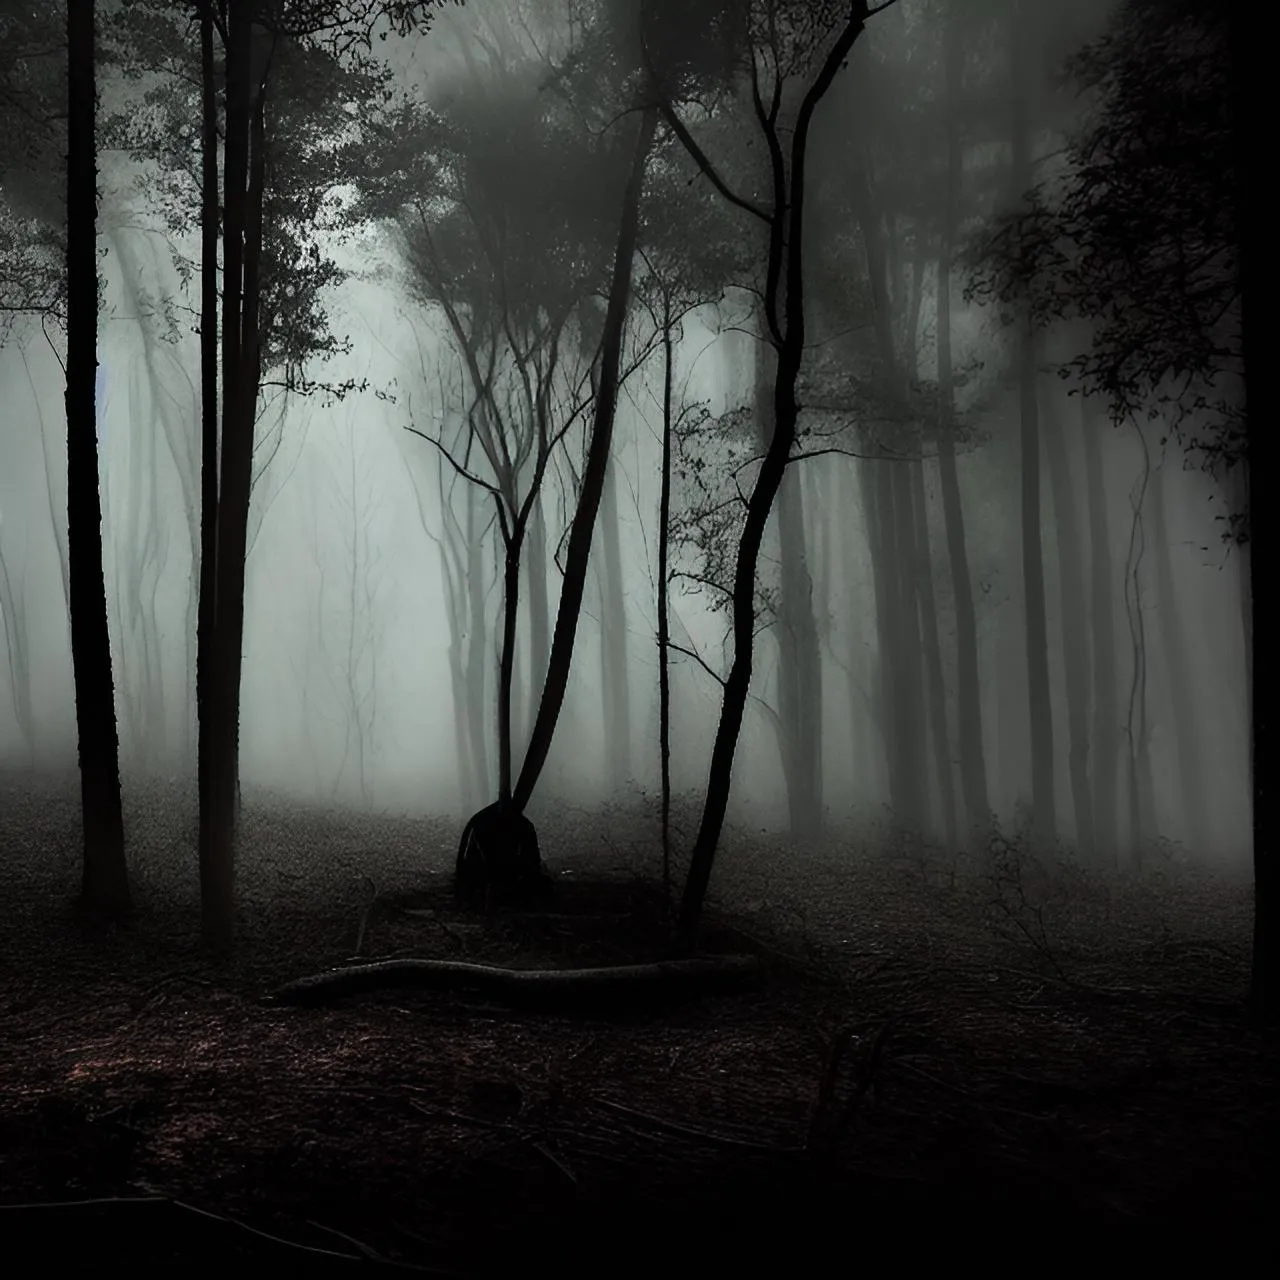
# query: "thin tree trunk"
785, 302
973, 759
1039, 704
1075, 644
1173, 639
1106, 702
882, 684
578, 552
799, 722
933, 659
664, 585
539, 607
105, 883
911, 333
208, 559
613, 637
13, 617
899, 635
477, 662
1142, 828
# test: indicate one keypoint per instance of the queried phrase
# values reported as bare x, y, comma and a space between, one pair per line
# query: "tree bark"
933, 659
13, 617
1075, 643
205, 617
477, 661
899, 630
1106, 703
512, 542
664, 586
539, 607
1173, 639
785, 306
105, 881
1039, 704
799, 654
973, 759
909, 702
578, 552
241, 367
613, 638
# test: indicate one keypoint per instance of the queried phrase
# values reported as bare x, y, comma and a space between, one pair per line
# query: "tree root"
618, 986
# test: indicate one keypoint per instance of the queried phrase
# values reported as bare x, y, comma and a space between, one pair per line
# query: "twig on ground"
693, 1131
549, 1155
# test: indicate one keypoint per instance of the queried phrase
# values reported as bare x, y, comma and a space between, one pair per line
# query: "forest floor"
1031, 1061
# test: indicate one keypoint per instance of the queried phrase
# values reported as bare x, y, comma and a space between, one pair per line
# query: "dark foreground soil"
945, 1062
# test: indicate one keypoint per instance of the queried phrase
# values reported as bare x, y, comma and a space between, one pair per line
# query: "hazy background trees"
990, 587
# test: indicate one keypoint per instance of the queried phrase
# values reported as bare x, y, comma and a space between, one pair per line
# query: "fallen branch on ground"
529, 988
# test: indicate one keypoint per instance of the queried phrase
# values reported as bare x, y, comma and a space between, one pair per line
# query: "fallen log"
615, 985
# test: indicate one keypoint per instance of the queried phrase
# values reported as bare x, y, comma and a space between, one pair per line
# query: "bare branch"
456, 465
699, 659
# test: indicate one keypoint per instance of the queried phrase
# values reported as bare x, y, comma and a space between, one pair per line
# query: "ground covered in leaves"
946, 1056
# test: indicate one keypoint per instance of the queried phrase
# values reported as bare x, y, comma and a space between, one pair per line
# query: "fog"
347, 691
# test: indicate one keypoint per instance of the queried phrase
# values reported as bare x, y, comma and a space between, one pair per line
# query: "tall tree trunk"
1106, 701
578, 552
242, 232
539, 607
13, 618
1137, 721
1173, 639
933, 659
911, 322
1075, 643
664, 589
785, 304
900, 659
973, 760
512, 543
799, 654
909, 708
1039, 705
205, 620
613, 638
477, 649
105, 883
868, 477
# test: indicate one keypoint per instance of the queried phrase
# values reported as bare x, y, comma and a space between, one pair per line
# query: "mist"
346, 679
826, 334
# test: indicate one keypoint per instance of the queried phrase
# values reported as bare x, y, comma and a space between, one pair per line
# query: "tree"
1154, 235
973, 767
690, 255
503, 248
1104, 736
307, 61
772, 43
606, 402
105, 881
1026, 343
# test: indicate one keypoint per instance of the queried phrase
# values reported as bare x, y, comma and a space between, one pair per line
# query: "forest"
628, 633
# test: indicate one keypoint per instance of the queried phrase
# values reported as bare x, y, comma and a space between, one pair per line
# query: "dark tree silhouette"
105, 883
